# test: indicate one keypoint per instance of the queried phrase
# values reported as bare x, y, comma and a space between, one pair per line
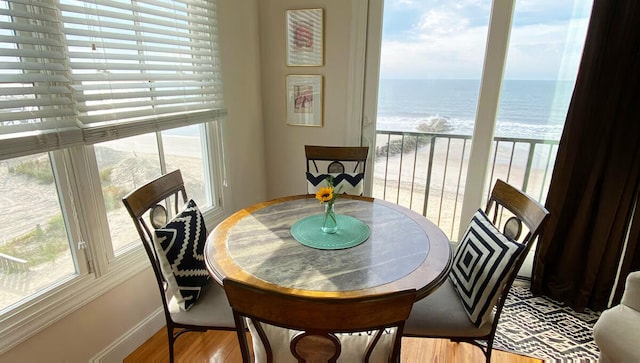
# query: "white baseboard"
131, 340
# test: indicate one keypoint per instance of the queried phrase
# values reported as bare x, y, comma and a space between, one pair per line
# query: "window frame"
98, 269
77, 181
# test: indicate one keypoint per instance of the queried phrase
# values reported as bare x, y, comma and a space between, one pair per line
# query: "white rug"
543, 328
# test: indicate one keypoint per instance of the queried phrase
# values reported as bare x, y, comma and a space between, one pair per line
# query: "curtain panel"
590, 242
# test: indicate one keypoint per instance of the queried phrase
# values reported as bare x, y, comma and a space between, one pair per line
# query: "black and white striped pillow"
482, 262
347, 183
180, 247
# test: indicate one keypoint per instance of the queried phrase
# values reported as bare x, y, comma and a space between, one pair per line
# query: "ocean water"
529, 109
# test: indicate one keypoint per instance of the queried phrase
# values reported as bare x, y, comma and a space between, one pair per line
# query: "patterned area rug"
542, 328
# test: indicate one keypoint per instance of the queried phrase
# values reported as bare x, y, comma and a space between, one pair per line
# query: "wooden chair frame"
529, 212
138, 203
336, 155
321, 316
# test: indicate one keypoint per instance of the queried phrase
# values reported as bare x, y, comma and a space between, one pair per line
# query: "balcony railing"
426, 172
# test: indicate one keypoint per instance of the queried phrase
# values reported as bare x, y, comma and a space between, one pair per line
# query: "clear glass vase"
329, 222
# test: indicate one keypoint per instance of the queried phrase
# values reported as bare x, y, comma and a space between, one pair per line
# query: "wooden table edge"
218, 235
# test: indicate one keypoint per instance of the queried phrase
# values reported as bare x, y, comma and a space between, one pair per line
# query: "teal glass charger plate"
351, 232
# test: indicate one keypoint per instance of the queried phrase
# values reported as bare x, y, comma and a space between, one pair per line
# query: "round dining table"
396, 248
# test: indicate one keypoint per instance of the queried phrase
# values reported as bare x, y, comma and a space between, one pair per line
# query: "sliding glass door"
466, 93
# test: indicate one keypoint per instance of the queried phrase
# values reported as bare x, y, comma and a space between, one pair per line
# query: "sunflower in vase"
327, 196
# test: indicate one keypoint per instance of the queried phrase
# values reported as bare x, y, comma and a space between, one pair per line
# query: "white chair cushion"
346, 183
212, 308
353, 346
481, 265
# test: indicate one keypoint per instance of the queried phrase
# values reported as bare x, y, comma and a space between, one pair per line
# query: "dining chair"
347, 165
289, 328
467, 306
191, 301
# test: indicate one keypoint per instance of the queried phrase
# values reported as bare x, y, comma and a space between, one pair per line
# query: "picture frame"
305, 37
304, 100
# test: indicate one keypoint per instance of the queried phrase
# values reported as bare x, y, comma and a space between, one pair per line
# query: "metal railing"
10, 264
426, 172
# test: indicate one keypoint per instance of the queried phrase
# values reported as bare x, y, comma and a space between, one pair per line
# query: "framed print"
304, 100
305, 37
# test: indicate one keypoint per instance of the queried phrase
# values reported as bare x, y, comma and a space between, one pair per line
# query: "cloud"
546, 51
448, 41
404, 2
399, 3
436, 55
441, 22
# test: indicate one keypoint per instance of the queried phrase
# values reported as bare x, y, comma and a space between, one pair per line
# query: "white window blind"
35, 93
126, 67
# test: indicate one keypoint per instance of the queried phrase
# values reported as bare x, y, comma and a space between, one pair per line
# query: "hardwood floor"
222, 346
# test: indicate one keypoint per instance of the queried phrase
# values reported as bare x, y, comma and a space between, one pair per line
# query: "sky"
446, 39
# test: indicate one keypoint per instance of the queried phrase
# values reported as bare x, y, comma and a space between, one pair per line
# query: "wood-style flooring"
222, 346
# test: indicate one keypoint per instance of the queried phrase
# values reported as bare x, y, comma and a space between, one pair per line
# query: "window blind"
36, 107
120, 68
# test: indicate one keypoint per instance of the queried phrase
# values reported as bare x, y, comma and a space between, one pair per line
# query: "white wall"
285, 143
238, 28
84, 333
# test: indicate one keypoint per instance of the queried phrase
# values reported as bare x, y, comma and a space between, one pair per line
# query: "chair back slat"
521, 205
354, 154
143, 199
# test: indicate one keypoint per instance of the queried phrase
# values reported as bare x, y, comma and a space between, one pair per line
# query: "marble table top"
404, 250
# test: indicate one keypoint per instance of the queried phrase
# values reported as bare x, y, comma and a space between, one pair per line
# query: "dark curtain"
592, 229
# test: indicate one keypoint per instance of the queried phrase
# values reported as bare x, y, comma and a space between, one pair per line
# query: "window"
545, 48
124, 164
436, 90
97, 97
35, 250
468, 92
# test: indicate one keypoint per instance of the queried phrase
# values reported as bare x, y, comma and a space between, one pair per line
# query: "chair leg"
487, 354
171, 340
241, 330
